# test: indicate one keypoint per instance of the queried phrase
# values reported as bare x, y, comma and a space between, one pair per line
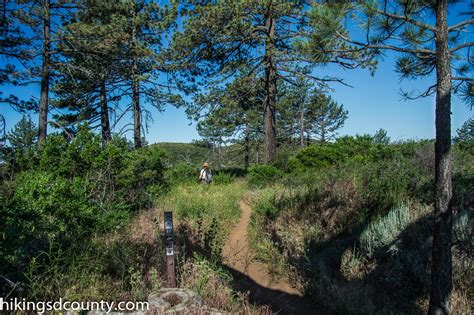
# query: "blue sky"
374, 102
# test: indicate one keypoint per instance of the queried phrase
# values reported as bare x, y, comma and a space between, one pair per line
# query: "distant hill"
230, 156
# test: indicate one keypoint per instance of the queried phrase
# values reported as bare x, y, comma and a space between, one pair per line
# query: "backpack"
208, 175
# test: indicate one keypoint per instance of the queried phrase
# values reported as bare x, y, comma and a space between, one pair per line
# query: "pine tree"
14, 49
307, 113
231, 113
90, 74
12, 42
24, 134
465, 134
147, 24
241, 38
326, 116
381, 137
44, 18
113, 52
419, 31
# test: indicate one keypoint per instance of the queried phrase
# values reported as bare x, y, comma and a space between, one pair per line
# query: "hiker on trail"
205, 176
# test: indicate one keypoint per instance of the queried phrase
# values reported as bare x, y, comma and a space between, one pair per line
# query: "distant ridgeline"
196, 154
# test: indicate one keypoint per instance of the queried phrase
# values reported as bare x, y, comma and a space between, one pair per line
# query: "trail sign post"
169, 249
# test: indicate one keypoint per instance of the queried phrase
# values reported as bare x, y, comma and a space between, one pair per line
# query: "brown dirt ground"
252, 276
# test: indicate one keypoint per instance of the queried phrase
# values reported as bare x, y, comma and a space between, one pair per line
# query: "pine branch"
460, 25
404, 18
417, 51
462, 79
465, 45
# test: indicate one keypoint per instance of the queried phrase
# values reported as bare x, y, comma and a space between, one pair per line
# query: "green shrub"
265, 205
315, 157
282, 158
143, 169
384, 184
182, 173
70, 192
359, 149
384, 231
47, 209
222, 178
262, 175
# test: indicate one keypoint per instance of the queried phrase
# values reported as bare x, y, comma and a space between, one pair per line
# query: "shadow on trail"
279, 302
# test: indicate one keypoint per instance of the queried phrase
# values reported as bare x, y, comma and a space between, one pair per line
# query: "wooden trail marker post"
169, 249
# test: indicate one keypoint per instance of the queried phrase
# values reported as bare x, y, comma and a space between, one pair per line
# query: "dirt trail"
253, 276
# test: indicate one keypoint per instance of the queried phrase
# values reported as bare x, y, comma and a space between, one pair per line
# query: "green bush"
262, 175
182, 173
384, 184
384, 231
70, 192
265, 205
282, 158
141, 176
315, 157
46, 209
222, 178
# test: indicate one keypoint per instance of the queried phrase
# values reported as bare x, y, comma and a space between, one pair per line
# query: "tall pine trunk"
441, 271
219, 154
269, 119
246, 147
136, 95
137, 138
323, 132
45, 73
257, 157
302, 126
104, 114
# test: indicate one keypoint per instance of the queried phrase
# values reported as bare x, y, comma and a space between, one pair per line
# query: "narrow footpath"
253, 277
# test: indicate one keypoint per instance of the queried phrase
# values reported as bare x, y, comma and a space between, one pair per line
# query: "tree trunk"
45, 68
219, 162
136, 95
271, 91
257, 160
441, 271
246, 147
302, 126
104, 115
323, 132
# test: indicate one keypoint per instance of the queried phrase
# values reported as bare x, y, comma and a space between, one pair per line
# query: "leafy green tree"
242, 38
24, 134
419, 31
